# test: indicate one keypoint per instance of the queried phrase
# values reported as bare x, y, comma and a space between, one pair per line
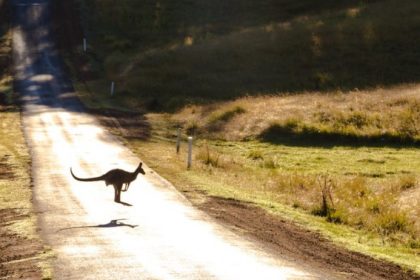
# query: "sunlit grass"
243, 178
385, 116
375, 187
368, 179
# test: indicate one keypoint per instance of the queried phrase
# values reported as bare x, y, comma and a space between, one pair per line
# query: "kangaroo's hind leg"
117, 192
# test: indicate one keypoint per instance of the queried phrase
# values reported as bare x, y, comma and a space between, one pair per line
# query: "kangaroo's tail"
100, 178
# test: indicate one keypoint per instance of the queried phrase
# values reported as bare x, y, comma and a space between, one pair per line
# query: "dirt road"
161, 236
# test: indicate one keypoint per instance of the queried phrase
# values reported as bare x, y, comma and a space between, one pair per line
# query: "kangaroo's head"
140, 169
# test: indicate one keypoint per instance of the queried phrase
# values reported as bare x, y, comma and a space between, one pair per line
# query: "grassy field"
23, 255
309, 109
361, 190
369, 215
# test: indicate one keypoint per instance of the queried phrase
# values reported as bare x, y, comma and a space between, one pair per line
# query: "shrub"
373, 206
207, 157
353, 190
335, 216
409, 126
296, 204
326, 209
414, 244
353, 119
393, 221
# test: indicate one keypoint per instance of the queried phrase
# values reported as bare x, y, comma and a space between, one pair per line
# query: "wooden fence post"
178, 140
189, 163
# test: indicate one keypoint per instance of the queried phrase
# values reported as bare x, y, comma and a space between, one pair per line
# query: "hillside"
164, 54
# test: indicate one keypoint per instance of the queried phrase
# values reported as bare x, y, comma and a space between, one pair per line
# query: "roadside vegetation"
366, 191
308, 109
22, 252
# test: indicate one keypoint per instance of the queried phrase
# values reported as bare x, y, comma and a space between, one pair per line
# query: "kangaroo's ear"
141, 163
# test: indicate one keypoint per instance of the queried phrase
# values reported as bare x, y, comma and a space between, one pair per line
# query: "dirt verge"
286, 238
18, 254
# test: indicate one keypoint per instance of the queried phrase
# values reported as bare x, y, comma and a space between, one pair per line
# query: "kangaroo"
116, 177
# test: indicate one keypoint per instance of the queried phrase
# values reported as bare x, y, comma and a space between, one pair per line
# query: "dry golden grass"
381, 111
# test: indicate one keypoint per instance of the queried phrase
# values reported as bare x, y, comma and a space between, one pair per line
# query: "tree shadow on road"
111, 224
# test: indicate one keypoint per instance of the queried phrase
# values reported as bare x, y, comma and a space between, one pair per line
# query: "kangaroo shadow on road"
111, 224
124, 203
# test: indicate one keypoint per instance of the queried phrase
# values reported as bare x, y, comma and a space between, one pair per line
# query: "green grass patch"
363, 212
